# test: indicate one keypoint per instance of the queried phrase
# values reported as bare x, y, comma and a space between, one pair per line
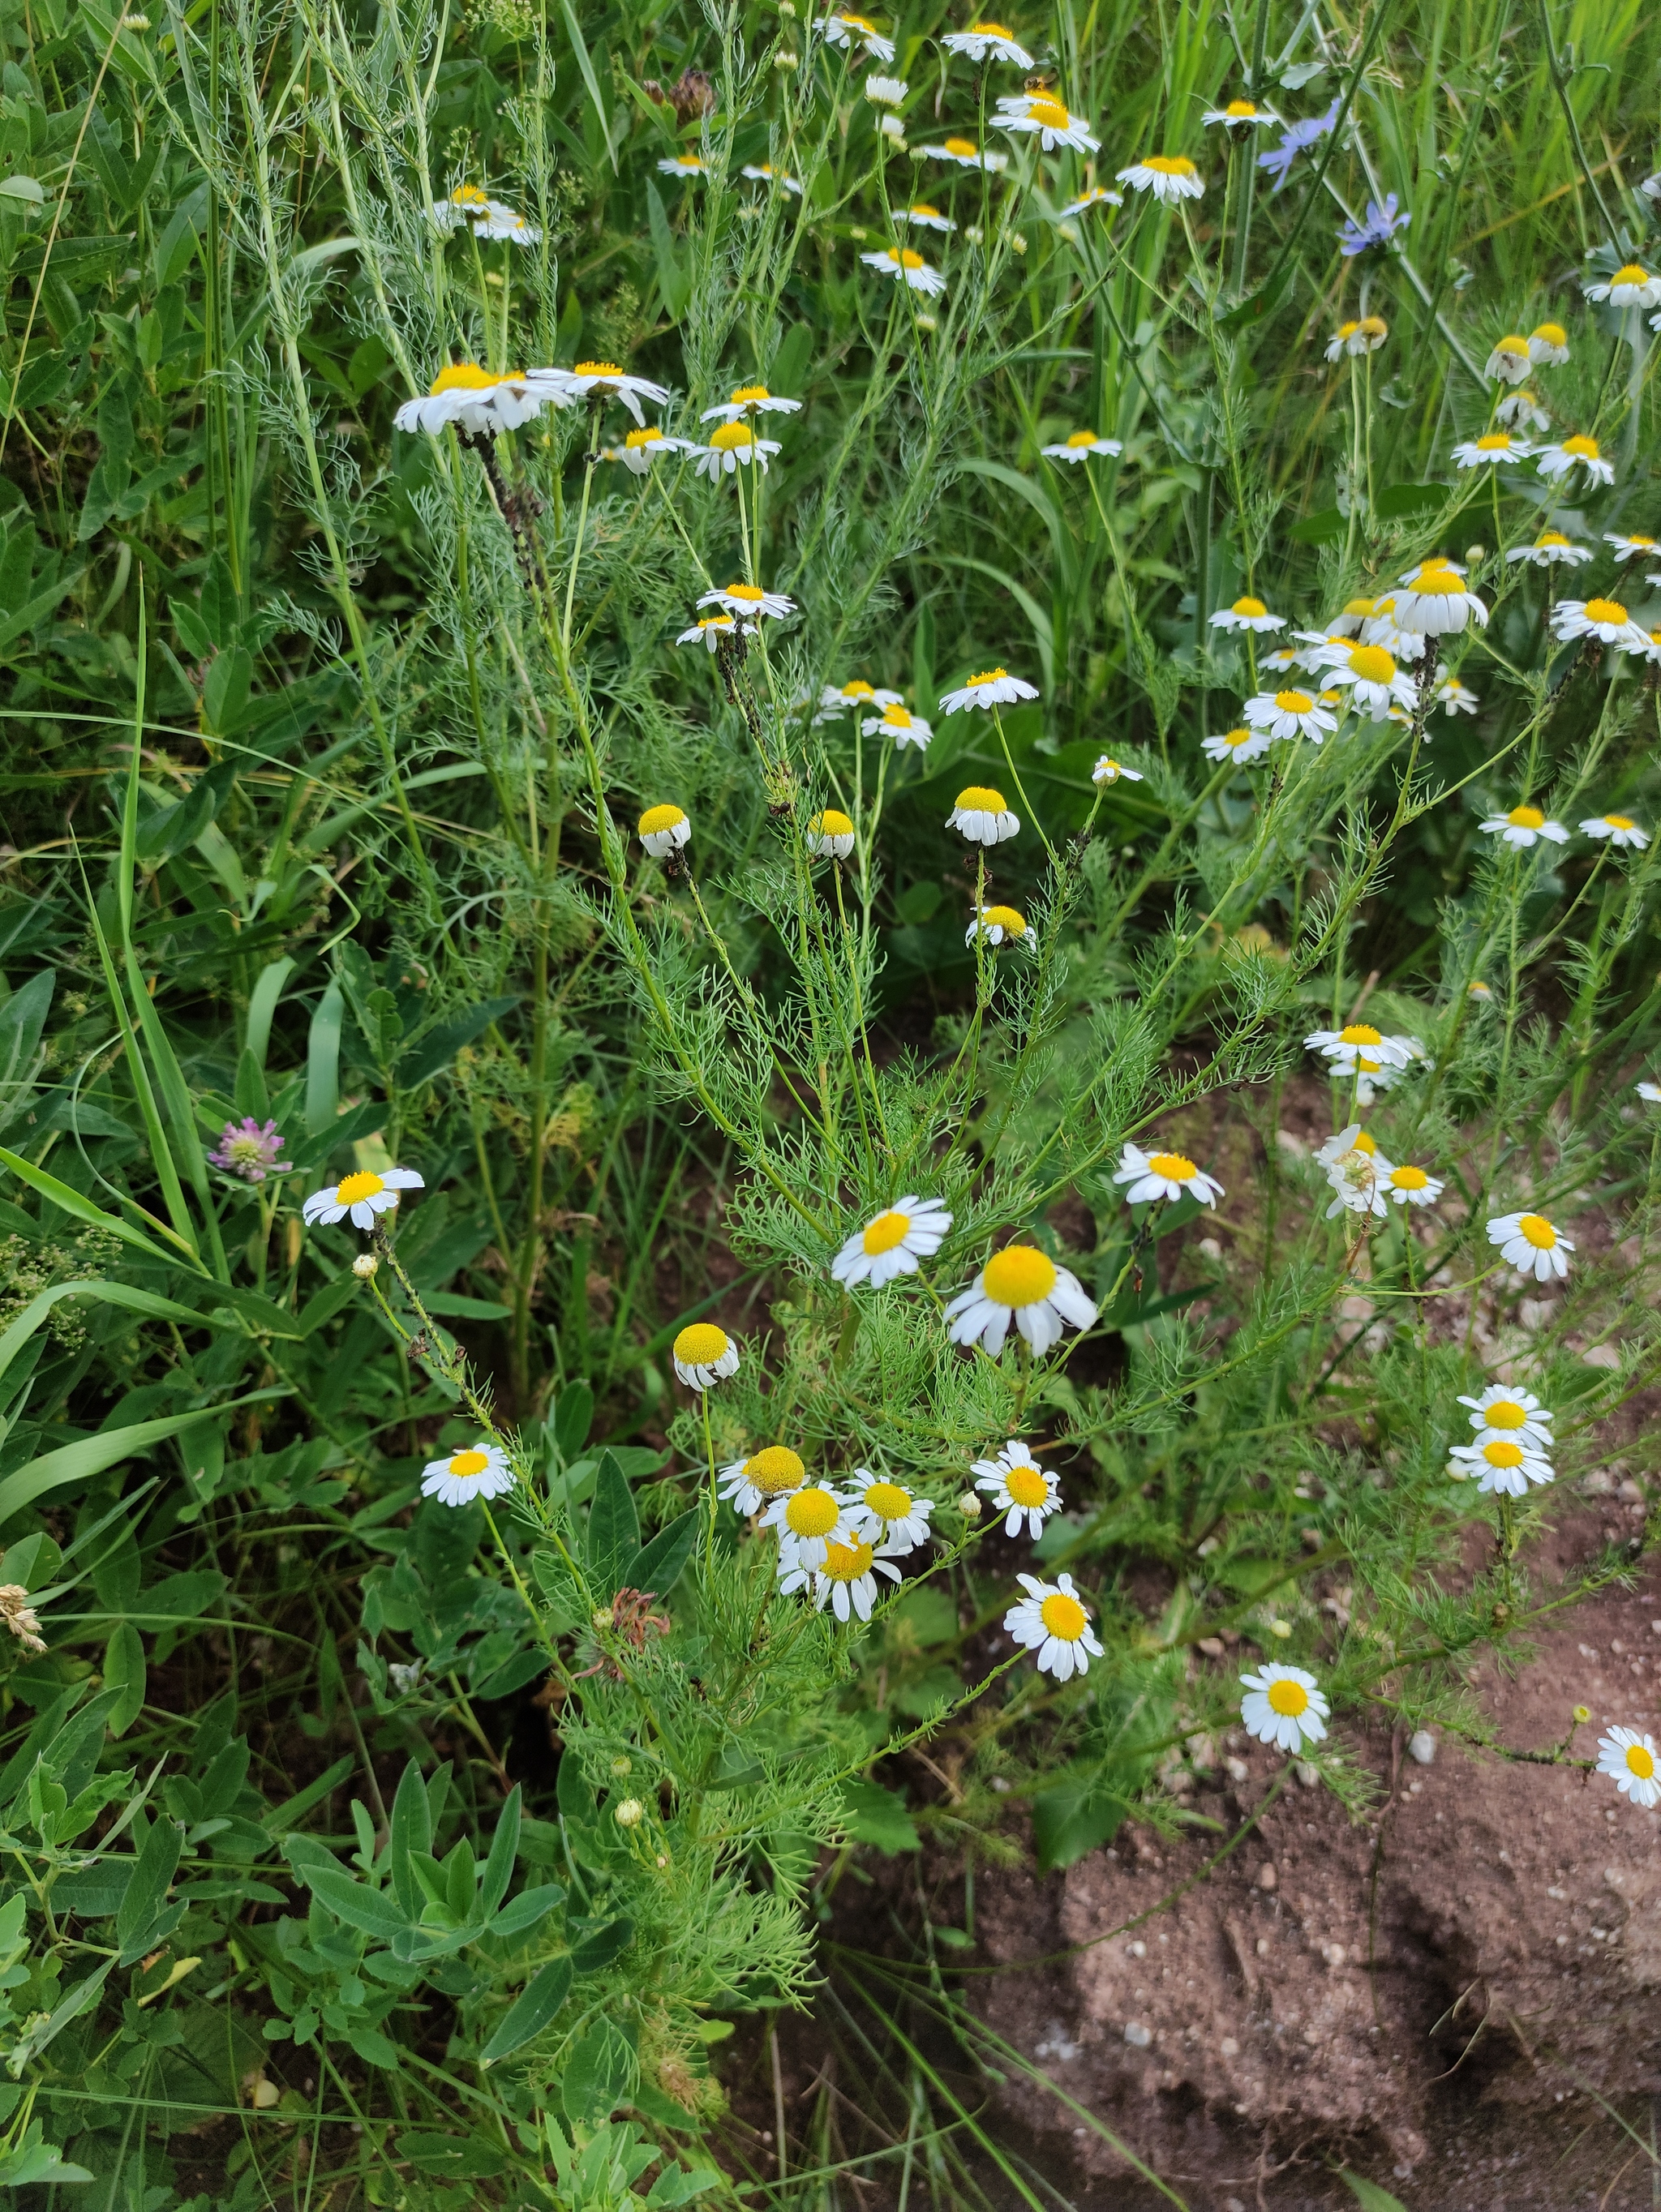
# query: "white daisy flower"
1631, 286
981, 815
910, 1230
1480, 991
749, 401
735, 446
886, 1513
1509, 362
1247, 613
1354, 340
886, 91
710, 630
1043, 114
830, 835
1023, 1287
1524, 826
1019, 1488
1242, 745
1108, 770
1349, 623
1375, 682
480, 1471
809, 1520
1557, 461
846, 1580
1490, 449
682, 164
469, 209
1649, 1092
762, 1479
1169, 177
479, 401
1410, 1186
993, 687
835, 699
1240, 115
1453, 697
997, 925
1549, 546
640, 448
1098, 195
1164, 1175
1355, 1168
1606, 619
1284, 1707
1347, 1048
851, 31
1629, 1758
926, 216
1620, 830
1530, 1242
364, 1195
603, 380
1051, 1620
981, 40
899, 723
748, 600
968, 155
1651, 641
1503, 1464
705, 1355
1290, 715
1548, 343
764, 173
663, 830
1510, 1412
1079, 445
900, 261
1436, 602
1629, 546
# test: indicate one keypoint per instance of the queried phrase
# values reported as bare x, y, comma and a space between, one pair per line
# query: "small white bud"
629, 1813
970, 1506
366, 1266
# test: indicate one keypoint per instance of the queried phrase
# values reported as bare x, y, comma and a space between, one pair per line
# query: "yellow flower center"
1497, 441
1584, 449
1174, 1166
1238, 736
1513, 345
1359, 606
363, 1184
1526, 818
887, 1230
752, 594
1364, 1144
464, 376
1434, 583
1410, 1178
1082, 438
988, 675
659, 818
1501, 1452
1553, 333
1640, 1762
1004, 918
1619, 820
1347, 331
700, 1343
1019, 1276
1361, 1033
1243, 108
964, 147
1248, 606
989, 31
1028, 1485
1550, 537
903, 258
922, 207
775, 1469
1064, 1616
859, 689
469, 1463
1535, 1229
1373, 326
888, 1501
748, 394
1371, 663
1630, 274
636, 439
1170, 165
1644, 544
830, 823
980, 799
1505, 1413
1294, 703
1052, 113
856, 23
1605, 610
812, 1512
731, 437
897, 718
1289, 1698
846, 1563
597, 368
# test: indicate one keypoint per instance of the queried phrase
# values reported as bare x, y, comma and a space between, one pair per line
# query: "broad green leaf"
874, 1815
147, 1892
600, 2074
431, 1054
613, 1528
411, 1831
657, 1565
679, 2185
124, 1672
530, 2012
262, 1007
373, 1911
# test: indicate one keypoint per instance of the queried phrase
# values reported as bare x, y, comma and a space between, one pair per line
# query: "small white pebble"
1263, 1947
1308, 1775
1237, 1770
1139, 1949
1229, 2047
1421, 1747
1333, 1954
1137, 2035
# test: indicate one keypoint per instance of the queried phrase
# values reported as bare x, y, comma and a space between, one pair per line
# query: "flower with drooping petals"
1509, 362
1247, 613
850, 30
1631, 286
981, 815
1548, 343
1524, 826
1353, 341
1079, 445
845, 1579
1024, 1288
809, 1520
705, 1355
750, 601
1347, 1048
993, 687
981, 40
1492, 448
1551, 546
1619, 828
900, 261
766, 1476
997, 925
663, 830
1243, 744
1043, 114
1558, 461
1239, 115
1169, 177
899, 723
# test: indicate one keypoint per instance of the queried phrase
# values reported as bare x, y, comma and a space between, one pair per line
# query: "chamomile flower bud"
981, 41
1079, 445
1022, 1287
1051, 1621
997, 925
993, 687
663, 830
1558, 462
1619, 828
1632, 1762
630, 1813
1490, 450
1549, 547
480, 1471
366, 1266
705, 1355
1531, 1243
1169, 177
1047, 117
1019, 1488
849, 30
1631, 286
364, 1195
830, 835
899, 723
910, 1230
1239, 115
970, 1506
900, 261
1509, 362
1241, 745
773, 1473
1524, 826
1548, 343
980, 816
1164, 1175
1247, 613
1284, 1707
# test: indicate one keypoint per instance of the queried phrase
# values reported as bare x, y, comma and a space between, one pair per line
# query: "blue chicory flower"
1380, 225
1298, 139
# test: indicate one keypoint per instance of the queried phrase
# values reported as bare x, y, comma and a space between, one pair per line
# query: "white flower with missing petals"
1631, 286
899, 723
1108, 770
835, 699
993, 687
364, 1195
846, 1579
900, 261
1557, 462
1241, 745
1524, 826
982, 40
1019, 1488
1079, 445
886, 1513
750, 600
1043, 114
850, 30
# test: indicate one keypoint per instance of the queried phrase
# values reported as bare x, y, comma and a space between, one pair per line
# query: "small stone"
1137, 1950
1237, 1770
1308, 1775
1421, 1747
1137, 2035
1263, 1947
1212, 1646
1333, 1954
1229, 2047
1267, 1876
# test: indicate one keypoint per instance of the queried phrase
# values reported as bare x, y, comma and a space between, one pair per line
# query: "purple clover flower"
1380, 225
1298, 139
248, 1150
